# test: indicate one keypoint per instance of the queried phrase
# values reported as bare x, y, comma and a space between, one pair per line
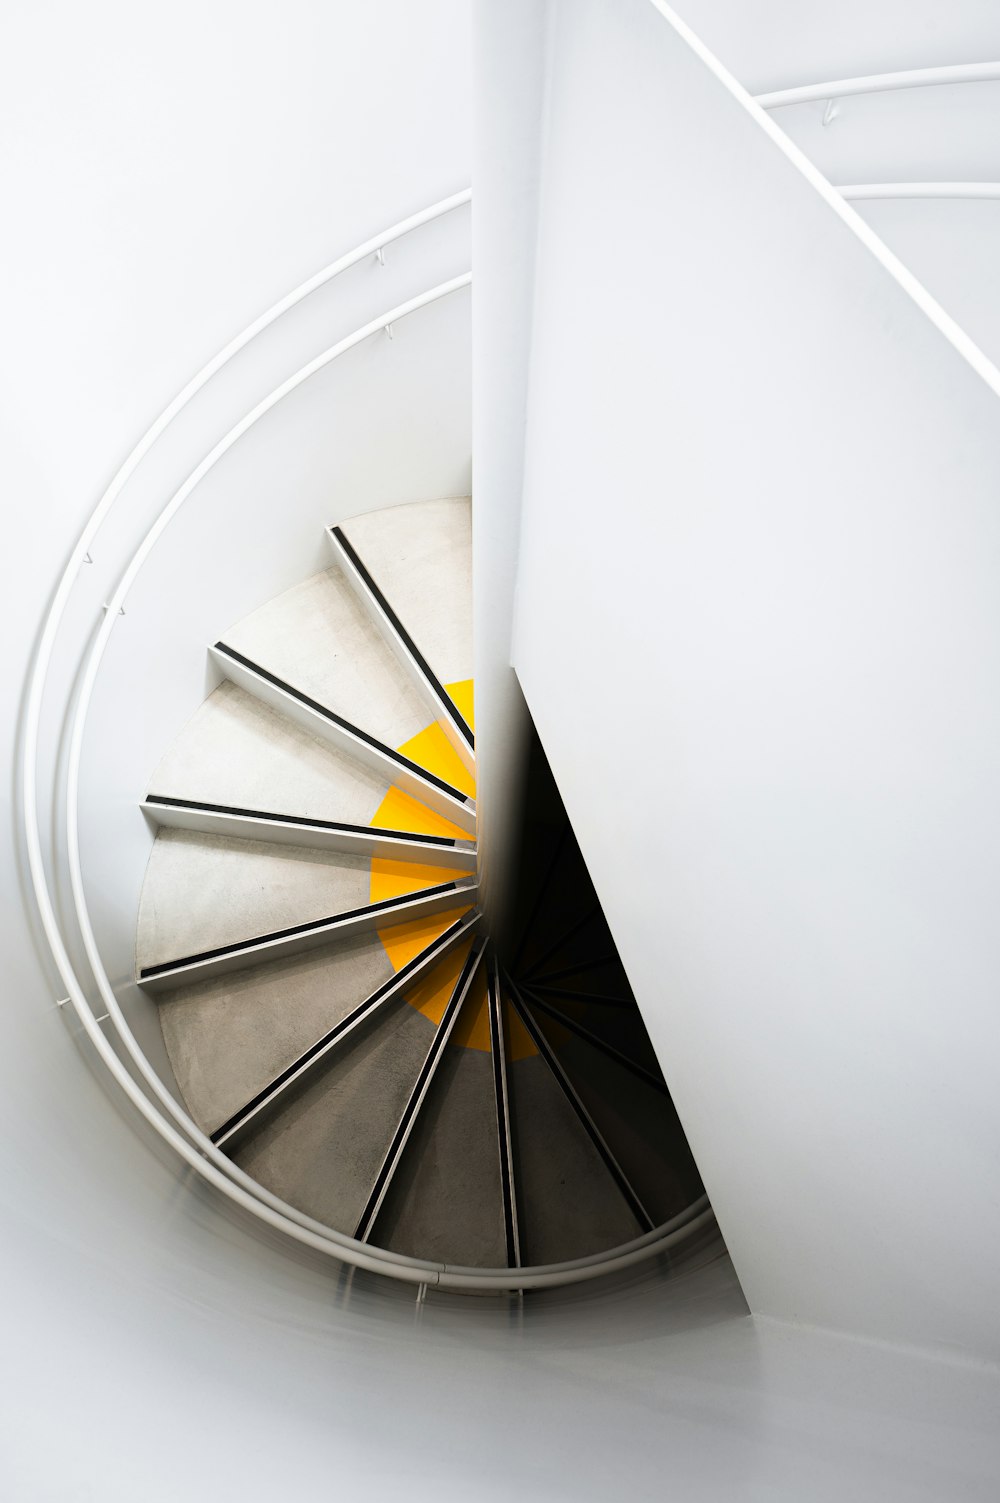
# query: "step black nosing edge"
428, 957
346, 726
433, 682
314, 926
417, 1096
338, 827
615, 1170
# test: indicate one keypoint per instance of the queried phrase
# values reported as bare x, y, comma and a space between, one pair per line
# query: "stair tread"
445, 1201
420, 556
203, 892
569, 1206
235, 750
639, 1125
607, 981
318, 638
230, 1036
322, 1150
621, 1027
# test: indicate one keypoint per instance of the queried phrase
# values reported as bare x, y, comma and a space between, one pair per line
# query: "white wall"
166, 177
758, 628
953, 246
169, 178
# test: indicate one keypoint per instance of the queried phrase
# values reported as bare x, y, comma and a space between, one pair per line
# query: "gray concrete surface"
237, 751
322, 1151
318, 637
420, 556
228, 1037
638, 1123
568, 1204
445, 1200
204, 891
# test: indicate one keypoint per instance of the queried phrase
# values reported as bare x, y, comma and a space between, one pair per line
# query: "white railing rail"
881, 83
148, 1094
919, 190
834, 199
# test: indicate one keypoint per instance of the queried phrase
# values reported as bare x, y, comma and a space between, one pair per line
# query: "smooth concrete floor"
205, 891
446, 1200
228, 1037
237, 751
322, 1151
569, 1205
420, 556
319, 638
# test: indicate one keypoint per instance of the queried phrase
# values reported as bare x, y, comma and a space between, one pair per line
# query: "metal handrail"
920, 190
182, 1134
881, 83
975, 357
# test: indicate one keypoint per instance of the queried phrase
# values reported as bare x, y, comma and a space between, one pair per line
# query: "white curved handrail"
183, 1135
881, 83
856, 191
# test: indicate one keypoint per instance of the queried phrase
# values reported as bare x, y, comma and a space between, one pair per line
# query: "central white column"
509, 65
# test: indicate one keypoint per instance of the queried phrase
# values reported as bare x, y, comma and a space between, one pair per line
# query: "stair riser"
312, 939
461, 858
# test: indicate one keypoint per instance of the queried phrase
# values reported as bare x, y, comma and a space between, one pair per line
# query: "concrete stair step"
228, 1036
322, 1150
203, 892
237, 751
446, 1200
330, 1145
318, 638
638, 1122
568, 1204
420, 556
208, 892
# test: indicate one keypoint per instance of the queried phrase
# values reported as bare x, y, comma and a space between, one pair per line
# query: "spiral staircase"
336, 1018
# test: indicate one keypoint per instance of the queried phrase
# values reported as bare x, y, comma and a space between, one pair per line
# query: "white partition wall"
758, 628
